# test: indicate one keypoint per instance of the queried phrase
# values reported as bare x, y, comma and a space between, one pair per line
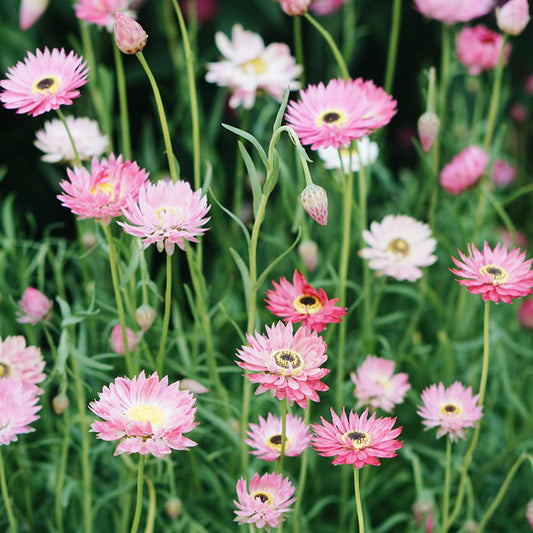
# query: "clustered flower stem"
6, 498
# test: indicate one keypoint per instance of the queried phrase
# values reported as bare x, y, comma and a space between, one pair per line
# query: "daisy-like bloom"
43, 82
21, 363
34, 307
496, 274
117, 342
299, 302
464, 170
367, 152
267, 501
102, 12
166, 214
265, 437
356, 440
17, 410
30, 12
376, 385
326, 7
503, 173
332, 115
451, 409
452, 11
248, 67
287, 363
54, 141
399, 246
145, 415
525, 314
103, 192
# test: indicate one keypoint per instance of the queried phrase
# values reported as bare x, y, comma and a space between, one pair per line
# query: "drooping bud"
173, 507
60, 403
129, 34
117, 342
34, 307
513, 16
145, 316
314, 200
30, 12
428, 129
193, 386
295, 7
308, 251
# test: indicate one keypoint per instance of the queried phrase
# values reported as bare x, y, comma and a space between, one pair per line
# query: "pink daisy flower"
265, 437
464, 170
299, 302
43, 82
117, 342
336, 113
166, 214
145, 415
450, 409
17, 409
102, 12
496, 274
398, 246
287, 364
452, 11
326, 7
34, 307
267, 501
376, 385
356, 440
103, 192
21, 363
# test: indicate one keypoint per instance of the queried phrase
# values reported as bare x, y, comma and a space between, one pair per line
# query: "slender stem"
6, 497
166, 317
358, 505
299, 46
444, 71
60, 480
279, 467
150, 518
302, 477
123, 103
486, 354
61, 116
139, 505
393, 44
446, 491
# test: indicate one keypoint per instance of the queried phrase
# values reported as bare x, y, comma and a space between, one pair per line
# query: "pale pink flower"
398, 246
314, 200
17, 410
326, 7
103, 192
496, 274
479, 48
451, 409
356, 440
265, 437
308, 252
367, 154
30, 12
525, 314
464, 170
513, 16
117, 342
428, 126
295, 7
339, 112
266, 503
452, 11
45, 81
129, 34
102, 12
503, 173
506, 237
166, 214
286, 363
300, 302
376, 385
248, 67
34, 307
145, 415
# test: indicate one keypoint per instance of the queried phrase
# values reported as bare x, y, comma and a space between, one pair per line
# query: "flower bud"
421, 510
60, 403
525, 314
117, 342
89, 240
173, 507
314, 200
428, 129
513, 16
129, 34
529, 513
34, 307
145, 315
30, 12
295, 7
193, 386
308, 251
469, 527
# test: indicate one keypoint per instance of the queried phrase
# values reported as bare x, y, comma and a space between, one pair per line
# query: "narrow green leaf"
233, 217
249, 137
254, 178
243, 269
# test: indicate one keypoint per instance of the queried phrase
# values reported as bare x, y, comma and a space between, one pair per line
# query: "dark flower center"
263, 496
451, 409
4, 370
498, 274
332, 116
45, 83
307, 304
288, 361
357, 439
274, 442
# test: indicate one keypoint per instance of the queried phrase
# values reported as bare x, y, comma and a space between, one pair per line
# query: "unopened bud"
60, 403
89, 241
173, 507
428, 129
513, 16
30, 12
145, 316
308, 251
295, 7
129, 34
193, 386
469, 527
314, 200
117, 342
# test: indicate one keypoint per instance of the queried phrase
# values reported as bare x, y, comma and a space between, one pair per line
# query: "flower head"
166, 214
326, 7
145, 415
450, 409
287, 364
314, 200
513, 16
452, 11
503, 173
34, 307
129, 34
356, 440
398, 246
117, 342
267, 501
367, 153
45, 81
496, 274
30, 12
428, 126
102, 12
464, 170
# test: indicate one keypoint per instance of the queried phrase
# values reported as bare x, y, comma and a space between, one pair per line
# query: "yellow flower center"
399, 247
451, 409
4, 370
145, 412
254, 66
307, 304
274, 442
330, 117
46, 85
263, 496
164, 210
498, 274
105, 187
288, 362
357, 439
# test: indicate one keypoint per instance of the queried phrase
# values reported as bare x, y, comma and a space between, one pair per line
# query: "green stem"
446, 491
123, 103
60, 480
6, 497
139, 505
166, 317
393, 44
61, 116
444, 72
358, 505
486, 353
298, 46
150, 518
302, 477
279, 467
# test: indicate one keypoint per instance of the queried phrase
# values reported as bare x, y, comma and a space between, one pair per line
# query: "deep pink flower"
326, 7
287, 364
45, 81
34, 307
464, 170
30, 12
336, 113
129, 34
503, 173
145, 415
496, 274
452, 11
513, 16
117, 342
299, 302
102, 12
356, 440
525, 314
450, 409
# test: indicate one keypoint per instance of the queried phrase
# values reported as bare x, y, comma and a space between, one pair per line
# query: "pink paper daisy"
266, 503
299, 302
117, 342
17, 409
166, 214
103, 192
496, 274
43, 82
356, 440
399, 246
464, 170
452, 11
265, 438
376, 385
287, 364
145, 415
102, 12
450, 409
336, 113
34, 307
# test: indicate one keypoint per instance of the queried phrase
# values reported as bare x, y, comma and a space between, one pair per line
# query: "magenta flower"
102, 12
103, 192
450, 409
267, 502
336, 113
464, 170
166, 214
452, 11
117, 342
45, 81
145, 415
265, 437
299, 302
496, 274
503, 173
287, 364
34, 307
356, 440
